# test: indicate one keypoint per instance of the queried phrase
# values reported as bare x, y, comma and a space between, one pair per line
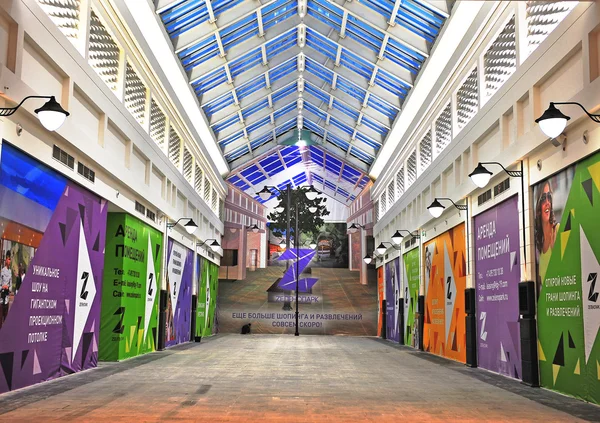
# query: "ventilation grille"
151, 215
140, 208
104, 52
188, 165
467, 100
198, 180
425, 152
400, 182
443, 129
382, 204
501, 187
215, 199
376, 207
486, 196
86, 172
63, 157
543, 17
207, 190
411, 169
391, 193
135, 94
158, 123
64, 14
174, 147
500, 61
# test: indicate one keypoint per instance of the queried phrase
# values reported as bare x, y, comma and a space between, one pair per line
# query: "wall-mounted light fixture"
481, 177
436, 209
51, 114
214, 245
381, 248
397, 237
190, 226
553, 121
354, 227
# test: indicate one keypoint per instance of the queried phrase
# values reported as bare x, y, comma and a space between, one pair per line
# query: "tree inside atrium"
308, 223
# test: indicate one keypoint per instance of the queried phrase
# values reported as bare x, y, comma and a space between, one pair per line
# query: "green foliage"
308, 223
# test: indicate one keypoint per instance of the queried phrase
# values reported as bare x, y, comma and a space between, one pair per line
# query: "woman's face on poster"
546, 204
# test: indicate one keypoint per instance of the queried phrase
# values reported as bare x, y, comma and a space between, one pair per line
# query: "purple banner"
393, 292
497, 270
179, 293
52, 272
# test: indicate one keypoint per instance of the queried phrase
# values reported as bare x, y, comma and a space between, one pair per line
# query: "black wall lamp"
397, 237
214, 245
553, 121
481, 177
354, 227
254, 228
436, 209
381, 249
190, 226
51, 114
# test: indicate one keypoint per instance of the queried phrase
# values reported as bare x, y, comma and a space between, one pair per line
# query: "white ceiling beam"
344, 21
261, 31
211, 14
220, 45
338, 55
384, 43
263, 51
392, 21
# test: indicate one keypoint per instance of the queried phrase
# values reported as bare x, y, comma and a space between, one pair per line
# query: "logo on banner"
483, 333
301, 260
119, 328
449, 284
592, 295
151, 292
87, 291
84, 292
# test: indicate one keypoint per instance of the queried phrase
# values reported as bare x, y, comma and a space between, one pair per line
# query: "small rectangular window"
63, 157
140, 208
151, 215
86, 172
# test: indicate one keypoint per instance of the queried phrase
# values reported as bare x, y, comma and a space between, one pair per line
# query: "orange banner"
445, 282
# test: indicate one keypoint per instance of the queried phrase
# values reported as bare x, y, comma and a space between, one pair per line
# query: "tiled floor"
282, 378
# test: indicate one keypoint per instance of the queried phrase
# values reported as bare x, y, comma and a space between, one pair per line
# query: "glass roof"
341, 70
300, 166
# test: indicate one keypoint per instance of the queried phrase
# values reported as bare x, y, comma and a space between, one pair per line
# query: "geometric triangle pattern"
587, 188
6, 362
559, 355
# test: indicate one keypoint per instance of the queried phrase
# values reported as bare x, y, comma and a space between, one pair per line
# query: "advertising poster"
380, 298
52, 239
180, 267
412, 281
208, 282
130, 292
445, 281
393, 291
331, 299
356, 255
497, 277
567, 246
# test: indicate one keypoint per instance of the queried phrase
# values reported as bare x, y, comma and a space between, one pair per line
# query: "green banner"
567, 207
130, 289
208, 281
411, 297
